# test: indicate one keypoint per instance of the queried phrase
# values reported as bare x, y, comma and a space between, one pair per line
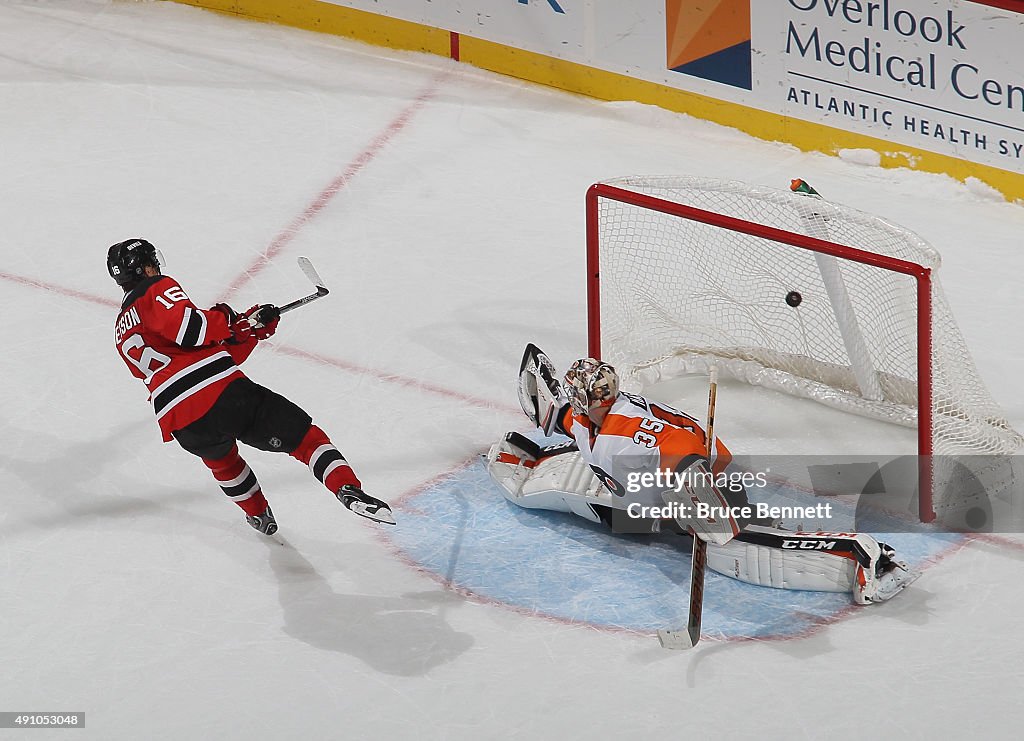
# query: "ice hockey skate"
890, 578
358, 501
265, 522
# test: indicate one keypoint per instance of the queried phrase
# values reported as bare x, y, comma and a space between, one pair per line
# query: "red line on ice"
69, 292
284, 350
284, 238
398, 379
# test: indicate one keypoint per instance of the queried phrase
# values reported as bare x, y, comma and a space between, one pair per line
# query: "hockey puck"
793, 298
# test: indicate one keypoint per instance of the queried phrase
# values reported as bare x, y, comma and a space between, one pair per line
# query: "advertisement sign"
942, 76
947, 77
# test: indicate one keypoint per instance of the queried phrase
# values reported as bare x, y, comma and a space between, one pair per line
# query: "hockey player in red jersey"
619, 438
188, 358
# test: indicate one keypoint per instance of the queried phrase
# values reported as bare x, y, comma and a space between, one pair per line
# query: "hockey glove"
230, 314
241, 331
540, 392
263, 319
238, 325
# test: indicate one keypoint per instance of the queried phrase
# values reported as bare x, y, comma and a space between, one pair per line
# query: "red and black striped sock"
324, 460
238, 482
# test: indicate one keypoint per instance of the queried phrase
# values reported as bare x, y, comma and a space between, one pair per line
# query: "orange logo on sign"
710, 39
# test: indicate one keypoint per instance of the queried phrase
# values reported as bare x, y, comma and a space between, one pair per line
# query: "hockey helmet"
127, 260
591, 384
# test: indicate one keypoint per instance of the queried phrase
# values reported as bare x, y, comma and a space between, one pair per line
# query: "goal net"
787, 291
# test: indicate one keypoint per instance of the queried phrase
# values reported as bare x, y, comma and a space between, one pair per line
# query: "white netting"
677, 294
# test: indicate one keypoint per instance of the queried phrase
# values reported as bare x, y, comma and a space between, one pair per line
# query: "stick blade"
314, 277
677, 640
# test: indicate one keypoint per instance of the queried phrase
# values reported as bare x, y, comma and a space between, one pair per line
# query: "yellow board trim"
577, 78
337, 21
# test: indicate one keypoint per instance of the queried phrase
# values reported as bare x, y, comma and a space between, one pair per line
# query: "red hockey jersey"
178, 350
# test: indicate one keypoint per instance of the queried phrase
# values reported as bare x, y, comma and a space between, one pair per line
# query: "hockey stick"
535, 450
679, 639
315, 279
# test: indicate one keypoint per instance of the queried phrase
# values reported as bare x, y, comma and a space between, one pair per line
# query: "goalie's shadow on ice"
403, 636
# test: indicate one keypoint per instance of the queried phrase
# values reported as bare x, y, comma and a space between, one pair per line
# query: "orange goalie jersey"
639, 436
178, 350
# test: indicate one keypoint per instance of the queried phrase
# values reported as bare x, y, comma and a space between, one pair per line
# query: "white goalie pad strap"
562, 483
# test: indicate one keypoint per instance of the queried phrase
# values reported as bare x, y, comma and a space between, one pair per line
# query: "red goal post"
787, 291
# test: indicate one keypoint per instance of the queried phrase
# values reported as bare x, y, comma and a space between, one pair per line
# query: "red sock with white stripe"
238, 482
324, 460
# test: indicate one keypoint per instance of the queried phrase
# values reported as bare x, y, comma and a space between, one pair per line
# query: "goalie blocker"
557, 478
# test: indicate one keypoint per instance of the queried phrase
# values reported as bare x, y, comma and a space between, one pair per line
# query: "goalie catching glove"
540, 392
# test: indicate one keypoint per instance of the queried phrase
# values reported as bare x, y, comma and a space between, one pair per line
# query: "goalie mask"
591, 384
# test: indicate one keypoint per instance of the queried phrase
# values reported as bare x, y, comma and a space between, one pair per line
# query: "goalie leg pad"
561, 483
782, 569
820, 562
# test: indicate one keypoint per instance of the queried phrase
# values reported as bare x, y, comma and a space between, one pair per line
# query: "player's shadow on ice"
394, 635
75, 477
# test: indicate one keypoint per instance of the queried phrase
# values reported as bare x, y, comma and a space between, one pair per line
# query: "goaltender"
631, 459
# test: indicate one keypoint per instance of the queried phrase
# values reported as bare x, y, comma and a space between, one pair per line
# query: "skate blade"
379, 514
268, 530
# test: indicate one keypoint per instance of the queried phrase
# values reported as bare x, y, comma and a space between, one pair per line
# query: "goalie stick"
537, 451
683, 639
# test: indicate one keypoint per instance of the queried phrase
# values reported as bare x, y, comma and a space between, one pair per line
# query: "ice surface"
444, 208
